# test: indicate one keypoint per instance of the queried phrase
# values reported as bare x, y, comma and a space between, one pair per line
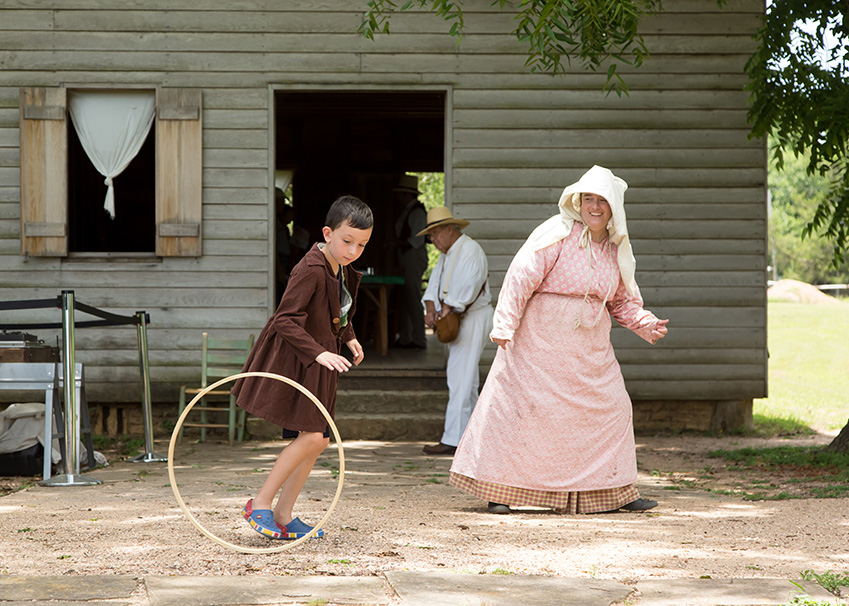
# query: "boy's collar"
316, 257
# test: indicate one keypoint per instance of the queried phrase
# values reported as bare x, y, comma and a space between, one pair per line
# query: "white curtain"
112, 126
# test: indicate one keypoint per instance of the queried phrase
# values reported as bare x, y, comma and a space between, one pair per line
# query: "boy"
302, 341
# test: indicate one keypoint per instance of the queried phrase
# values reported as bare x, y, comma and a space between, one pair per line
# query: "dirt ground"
397, 512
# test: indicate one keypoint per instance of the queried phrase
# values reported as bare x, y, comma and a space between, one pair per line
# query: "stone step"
366, 426
408, 379
376, 401
404, 426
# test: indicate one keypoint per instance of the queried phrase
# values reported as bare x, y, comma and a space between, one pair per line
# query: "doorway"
360, 143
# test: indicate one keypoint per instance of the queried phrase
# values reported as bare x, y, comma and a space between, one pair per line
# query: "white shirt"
458, 277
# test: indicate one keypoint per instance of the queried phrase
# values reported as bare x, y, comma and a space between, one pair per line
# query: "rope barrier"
107, 318
68, 304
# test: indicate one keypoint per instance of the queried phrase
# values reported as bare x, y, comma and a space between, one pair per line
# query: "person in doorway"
302, 341
554, 426
459, 283
284, 215
412, 256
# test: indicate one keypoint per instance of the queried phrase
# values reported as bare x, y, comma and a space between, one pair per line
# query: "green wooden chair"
220, 358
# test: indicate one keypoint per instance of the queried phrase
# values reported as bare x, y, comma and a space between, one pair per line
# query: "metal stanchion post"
71, 455
147, 411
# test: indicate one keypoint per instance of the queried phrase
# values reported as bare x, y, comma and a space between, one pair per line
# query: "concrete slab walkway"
403, 588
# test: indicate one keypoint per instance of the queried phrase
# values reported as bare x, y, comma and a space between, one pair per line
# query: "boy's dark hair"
351, 209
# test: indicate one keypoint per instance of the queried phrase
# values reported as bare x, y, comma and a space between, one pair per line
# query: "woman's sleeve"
290, 319
524, 276
628, 311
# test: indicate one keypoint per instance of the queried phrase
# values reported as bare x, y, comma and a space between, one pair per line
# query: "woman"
553, 426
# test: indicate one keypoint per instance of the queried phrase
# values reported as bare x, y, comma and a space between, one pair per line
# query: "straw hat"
409, 184
441, 216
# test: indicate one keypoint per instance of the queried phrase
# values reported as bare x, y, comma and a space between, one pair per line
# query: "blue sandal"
297, 529
261, 520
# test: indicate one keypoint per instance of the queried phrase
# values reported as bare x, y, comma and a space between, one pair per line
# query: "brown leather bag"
448, 326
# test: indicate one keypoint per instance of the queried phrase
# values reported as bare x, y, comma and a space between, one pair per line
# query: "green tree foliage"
432, 186
795, 197
595, 32
800, 96
797, 76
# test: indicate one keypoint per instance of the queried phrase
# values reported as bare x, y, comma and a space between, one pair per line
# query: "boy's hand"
333, 361
357, 350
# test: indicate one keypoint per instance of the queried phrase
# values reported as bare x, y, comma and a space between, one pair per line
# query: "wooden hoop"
176, 434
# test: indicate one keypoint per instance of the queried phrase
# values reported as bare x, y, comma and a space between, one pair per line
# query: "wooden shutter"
179, 149
44, 172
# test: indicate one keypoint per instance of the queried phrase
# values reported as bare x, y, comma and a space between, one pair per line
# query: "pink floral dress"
553, 426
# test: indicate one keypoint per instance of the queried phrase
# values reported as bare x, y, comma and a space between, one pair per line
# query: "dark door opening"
358, 143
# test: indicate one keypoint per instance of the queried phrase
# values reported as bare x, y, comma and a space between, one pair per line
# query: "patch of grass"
762, 496
407, 466
501, 571
802, 465
776, 457
778, 426
334, 471
831, 491
808, 362
830, 581
807, 601
335, 561
122, 446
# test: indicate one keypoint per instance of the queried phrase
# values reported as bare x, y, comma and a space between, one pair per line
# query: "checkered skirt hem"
588, 501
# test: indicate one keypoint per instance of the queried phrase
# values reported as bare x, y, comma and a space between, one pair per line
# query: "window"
90, 227
46, 196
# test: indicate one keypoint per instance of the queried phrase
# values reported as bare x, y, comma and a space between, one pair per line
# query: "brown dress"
307, 323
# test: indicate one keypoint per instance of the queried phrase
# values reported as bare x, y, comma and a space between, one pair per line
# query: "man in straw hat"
412, 255
458, 282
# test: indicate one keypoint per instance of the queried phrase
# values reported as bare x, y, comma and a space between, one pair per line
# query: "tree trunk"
841, 442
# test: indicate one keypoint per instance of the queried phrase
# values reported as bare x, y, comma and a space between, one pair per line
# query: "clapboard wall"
696, 202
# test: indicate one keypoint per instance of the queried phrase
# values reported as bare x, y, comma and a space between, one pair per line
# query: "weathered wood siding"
696, 203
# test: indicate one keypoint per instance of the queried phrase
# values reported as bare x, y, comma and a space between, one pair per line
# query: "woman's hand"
502, 343
357, 350
333, 361
659, 331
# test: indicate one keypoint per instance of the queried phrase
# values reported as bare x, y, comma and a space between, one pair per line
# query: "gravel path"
397, 512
